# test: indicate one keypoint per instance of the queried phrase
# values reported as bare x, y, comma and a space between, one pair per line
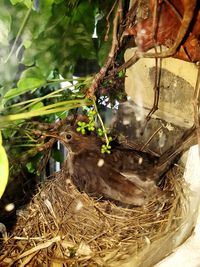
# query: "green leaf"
5, 23
27, 84
27, 3
4, 168
24, 85
37, 106
58, 1
30, 167
27, 43
40, 18
14, 2
30, 79
33, 72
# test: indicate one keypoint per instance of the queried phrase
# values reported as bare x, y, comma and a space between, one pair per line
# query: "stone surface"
177, 82
130, 121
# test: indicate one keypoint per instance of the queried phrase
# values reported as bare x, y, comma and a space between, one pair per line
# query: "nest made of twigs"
63, 227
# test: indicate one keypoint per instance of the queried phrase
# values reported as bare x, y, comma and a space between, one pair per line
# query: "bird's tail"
188, 139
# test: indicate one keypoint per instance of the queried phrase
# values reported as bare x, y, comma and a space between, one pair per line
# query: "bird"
125, 176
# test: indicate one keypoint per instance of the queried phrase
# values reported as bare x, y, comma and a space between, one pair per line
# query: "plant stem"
101, 122
62, 106
19, 33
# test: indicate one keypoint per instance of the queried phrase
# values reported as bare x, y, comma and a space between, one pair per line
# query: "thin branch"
99, 76
151, 137
108, 23
174, 9
196, 105
37, 248
187, 18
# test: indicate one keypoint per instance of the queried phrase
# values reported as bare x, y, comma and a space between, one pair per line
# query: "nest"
64, 227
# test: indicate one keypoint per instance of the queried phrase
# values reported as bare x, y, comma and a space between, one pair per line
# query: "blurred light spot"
68, 181
142, 31
79, 205
9, 207
162, 139
140, 160
100, 163
126, 121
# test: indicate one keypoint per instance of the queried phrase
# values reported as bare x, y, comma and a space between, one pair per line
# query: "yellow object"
4, 168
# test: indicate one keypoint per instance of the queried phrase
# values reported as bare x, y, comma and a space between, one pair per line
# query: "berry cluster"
91, 126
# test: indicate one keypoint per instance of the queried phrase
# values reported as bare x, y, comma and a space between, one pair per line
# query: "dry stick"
37, 248
156, 89
128, 20
174, 9
55, 125
155, 23
99, 76
158, 70
137, 54
151, 137
196, 105
186, 20
130, 62
157, 78
189, 6
156, 92
107, 19
120, 9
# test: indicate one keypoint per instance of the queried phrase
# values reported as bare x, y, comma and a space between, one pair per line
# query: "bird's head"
77, 142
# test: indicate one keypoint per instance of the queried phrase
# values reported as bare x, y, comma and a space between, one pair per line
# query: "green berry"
100, 132
91, 113
91, 128
83, 131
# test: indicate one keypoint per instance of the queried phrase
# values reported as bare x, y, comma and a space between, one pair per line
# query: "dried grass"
62, 227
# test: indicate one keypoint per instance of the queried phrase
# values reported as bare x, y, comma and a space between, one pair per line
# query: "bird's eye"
68, 136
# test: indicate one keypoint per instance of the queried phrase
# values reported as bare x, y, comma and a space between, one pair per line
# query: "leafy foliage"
42, 36
41, 42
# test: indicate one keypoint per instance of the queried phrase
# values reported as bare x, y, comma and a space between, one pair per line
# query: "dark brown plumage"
126, 176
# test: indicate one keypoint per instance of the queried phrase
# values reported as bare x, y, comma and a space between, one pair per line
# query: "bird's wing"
126, 189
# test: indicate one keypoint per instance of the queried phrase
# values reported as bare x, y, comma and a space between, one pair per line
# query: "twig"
99, 76
130, 62
155, 22
101, 122
107, 19
196, 105
156, 91
37, 248
151, 137
174, 9
189, 6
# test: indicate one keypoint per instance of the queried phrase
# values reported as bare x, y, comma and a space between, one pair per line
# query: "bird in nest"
126, 176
